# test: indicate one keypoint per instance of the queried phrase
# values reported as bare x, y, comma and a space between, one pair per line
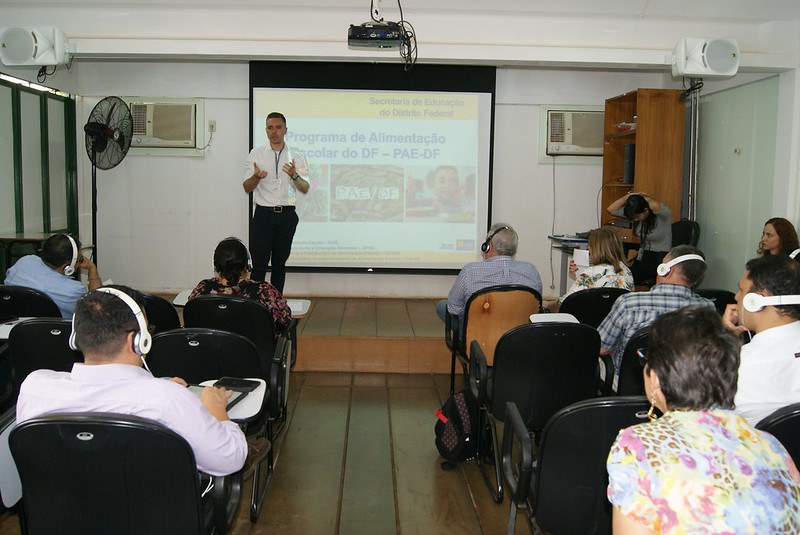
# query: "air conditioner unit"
164, 124
574, 133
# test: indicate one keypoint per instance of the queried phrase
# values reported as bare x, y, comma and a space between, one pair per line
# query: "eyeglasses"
642, 354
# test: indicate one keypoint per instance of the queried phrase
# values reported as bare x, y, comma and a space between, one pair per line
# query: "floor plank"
304, 494
368, 504
359, 318
326, 319
424, 320
393, 319
429, 500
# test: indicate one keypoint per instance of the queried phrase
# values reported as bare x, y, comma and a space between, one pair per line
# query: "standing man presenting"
274, 174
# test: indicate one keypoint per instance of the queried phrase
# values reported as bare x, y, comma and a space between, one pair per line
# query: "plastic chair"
252, 320
94, 473
685, 232
563, 488
631, 378
161, 315
720, 298
198, 355
542, 367
488, 314
37, 344
23, 302
591, 306
784, 424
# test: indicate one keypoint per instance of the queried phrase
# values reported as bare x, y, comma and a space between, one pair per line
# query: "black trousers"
644, 270
271, 242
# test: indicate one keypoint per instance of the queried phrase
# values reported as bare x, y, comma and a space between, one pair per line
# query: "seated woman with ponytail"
232, 266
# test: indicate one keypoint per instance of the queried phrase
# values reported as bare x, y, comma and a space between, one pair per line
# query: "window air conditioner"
574, 133
163, 124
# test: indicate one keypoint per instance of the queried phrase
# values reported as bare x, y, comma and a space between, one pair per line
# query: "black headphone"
485, 245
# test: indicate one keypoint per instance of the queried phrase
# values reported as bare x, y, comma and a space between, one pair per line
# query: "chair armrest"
478, 373
225, 497
518, 483
606, 386
283, 348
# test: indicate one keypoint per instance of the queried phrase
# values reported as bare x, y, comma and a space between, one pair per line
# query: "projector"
374, 35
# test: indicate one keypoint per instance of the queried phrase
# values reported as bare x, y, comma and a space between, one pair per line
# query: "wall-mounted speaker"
705, 58
25, 45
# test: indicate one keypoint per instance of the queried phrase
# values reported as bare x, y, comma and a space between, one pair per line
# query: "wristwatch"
295, 176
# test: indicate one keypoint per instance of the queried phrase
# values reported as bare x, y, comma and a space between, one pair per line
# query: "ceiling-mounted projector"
705, 58
42, 45
374, 35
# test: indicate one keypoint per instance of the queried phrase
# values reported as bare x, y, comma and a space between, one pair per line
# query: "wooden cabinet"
653, 122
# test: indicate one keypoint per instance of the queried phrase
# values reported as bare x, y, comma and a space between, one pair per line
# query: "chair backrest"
543, 367
591, 306
720, 298
784, 424
106, 473
161, 315
40, 344
492, 311
239, 315
24, 302
631, 380
570, 478
197, 355
685, 232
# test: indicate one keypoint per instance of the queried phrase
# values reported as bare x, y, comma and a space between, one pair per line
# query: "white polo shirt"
769, 372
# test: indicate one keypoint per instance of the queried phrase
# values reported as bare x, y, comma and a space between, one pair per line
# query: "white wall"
159, 217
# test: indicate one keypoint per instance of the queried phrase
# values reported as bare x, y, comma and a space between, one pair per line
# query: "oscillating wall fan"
108, 137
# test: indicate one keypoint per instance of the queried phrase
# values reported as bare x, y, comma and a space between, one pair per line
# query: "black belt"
277, 209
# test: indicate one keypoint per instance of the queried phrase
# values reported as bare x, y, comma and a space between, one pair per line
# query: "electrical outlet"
212, 126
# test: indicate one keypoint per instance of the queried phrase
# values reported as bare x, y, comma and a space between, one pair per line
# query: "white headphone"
794, 253
664, 269
754, 302
70, 269
142, 340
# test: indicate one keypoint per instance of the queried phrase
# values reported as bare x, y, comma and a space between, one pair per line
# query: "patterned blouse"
704, 472
263, 292
600, 276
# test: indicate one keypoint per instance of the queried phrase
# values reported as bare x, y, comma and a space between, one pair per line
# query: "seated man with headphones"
498, 267
110, 329
767, 303
682, 270
52, 272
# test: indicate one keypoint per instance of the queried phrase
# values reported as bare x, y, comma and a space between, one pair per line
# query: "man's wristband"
295, 177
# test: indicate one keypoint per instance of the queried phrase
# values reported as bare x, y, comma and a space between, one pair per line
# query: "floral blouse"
263, 292
601, 276
704, 472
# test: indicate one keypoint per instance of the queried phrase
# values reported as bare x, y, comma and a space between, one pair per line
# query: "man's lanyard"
277, 161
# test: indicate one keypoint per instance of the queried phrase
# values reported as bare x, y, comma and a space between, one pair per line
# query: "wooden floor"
357, 457
372, 335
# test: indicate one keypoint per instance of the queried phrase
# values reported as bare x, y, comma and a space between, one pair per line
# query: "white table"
5, 328
299, 307
252, 403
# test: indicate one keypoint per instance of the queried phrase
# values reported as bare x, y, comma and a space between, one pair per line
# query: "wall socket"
212, 126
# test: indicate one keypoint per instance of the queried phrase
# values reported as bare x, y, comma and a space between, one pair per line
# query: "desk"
5, 328
566, 244
250, 406
299, 307
9, 240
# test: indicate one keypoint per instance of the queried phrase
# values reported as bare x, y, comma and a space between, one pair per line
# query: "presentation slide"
399, 179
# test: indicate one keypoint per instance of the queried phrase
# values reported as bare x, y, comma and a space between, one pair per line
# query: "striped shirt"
493, 271
635, 310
